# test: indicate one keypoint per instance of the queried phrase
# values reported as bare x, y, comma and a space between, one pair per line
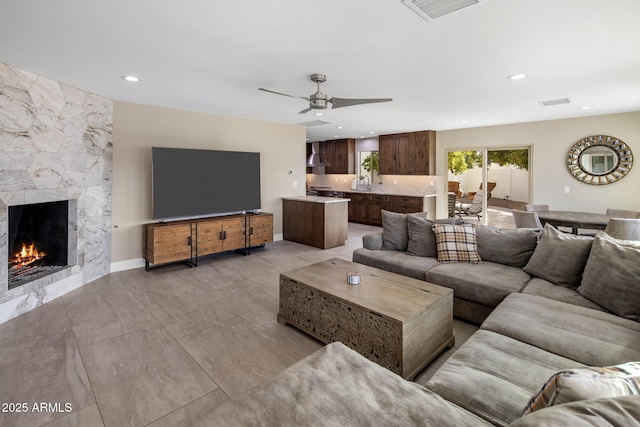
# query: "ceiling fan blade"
345, 102
306, 110
277, 93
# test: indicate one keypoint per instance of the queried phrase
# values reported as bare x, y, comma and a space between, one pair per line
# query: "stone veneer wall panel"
55, 144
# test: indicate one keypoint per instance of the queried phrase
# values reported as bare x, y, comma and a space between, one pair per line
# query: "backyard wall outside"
550, 142
137, 128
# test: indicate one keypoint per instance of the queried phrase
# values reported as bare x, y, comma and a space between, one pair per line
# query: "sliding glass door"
502, 175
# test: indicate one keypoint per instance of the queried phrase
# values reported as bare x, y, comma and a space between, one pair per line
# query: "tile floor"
161, 348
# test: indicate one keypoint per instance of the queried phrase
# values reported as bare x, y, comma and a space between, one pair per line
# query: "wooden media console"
185, 241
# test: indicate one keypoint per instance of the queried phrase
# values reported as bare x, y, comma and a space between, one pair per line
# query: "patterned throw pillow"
587, 384
456, 243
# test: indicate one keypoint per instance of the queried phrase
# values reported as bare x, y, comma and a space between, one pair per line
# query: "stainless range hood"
317, 156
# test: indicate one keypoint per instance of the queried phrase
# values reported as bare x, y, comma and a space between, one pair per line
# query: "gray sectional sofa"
550, 306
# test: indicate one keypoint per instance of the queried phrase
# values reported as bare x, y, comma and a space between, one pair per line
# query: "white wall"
137, 128
550, 142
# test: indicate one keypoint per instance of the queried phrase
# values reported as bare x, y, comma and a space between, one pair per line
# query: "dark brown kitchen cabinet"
406, 204
309, 151
358, 207
339, 156
377, 203
410, 153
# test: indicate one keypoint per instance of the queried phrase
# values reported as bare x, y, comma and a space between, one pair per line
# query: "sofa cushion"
587, 383
506, 246
612, 276
487, 283
544, 288
335, 386
588, 336
394, 230
395, 261
456, 243
494, 376
422, 240
611, 412
560, 257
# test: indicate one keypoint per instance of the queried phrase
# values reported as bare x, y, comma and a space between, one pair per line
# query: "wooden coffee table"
396, 321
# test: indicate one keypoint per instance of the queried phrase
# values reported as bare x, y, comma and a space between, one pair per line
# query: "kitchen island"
321, 222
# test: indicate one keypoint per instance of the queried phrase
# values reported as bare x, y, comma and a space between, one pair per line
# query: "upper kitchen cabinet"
411, 153
340, 156
309, 151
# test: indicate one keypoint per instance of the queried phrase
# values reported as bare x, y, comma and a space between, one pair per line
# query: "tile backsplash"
399, 184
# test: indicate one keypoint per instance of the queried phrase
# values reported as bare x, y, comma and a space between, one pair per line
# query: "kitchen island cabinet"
321, 222
367, 207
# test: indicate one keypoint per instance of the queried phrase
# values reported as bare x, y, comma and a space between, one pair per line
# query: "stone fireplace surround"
55, 144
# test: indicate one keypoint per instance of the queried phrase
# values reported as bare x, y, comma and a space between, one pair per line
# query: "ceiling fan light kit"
320, 101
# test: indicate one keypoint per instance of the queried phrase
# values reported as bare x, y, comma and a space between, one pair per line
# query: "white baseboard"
129, 264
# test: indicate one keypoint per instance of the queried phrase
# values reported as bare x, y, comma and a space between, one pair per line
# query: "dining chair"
451, 204
524, 219
622, 213
623, 228
536, 208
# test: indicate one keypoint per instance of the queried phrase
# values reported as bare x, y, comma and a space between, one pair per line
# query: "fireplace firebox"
38, 241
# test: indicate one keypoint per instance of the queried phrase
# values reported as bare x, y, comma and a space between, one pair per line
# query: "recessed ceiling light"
586, 107
336, 136
362, 136
373, 131
132, 79
517, 76
462, 122
319, 114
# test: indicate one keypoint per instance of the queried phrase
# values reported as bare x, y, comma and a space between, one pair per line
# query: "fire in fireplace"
38, 241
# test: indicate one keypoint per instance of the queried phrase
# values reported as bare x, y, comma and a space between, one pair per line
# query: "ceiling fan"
319, 101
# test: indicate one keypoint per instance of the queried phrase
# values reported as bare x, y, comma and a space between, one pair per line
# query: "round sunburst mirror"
599, 160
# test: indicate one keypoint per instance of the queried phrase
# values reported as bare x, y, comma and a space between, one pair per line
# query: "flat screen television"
190, 183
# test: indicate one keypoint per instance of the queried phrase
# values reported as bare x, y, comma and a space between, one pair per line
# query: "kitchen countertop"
316, 199
386, 193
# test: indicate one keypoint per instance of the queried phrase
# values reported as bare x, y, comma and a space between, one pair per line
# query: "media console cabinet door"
209, 237
234, 233
260, 229
168, 242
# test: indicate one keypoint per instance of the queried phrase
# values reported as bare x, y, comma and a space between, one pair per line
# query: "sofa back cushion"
560, 257
512, 247
612, 276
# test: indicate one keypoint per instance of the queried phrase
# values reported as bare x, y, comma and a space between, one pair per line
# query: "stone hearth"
55, 145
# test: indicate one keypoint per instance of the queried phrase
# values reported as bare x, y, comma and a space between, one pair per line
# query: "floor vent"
432, 9
555, 102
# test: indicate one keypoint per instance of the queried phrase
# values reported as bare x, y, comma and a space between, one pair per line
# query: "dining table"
574, 220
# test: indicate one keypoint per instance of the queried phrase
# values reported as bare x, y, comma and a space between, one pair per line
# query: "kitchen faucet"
368, 183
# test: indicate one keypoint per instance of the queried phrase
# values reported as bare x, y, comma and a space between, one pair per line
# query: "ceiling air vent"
432, 9
555, 102
313, 123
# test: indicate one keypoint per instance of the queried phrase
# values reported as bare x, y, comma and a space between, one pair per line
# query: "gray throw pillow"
612, 276
394, 230
422, 240
560, 257
507, 246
